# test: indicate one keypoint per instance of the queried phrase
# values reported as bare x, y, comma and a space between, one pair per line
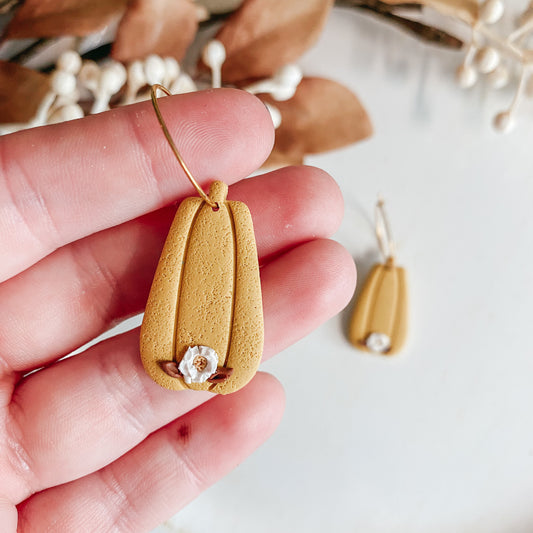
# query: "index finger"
63, 182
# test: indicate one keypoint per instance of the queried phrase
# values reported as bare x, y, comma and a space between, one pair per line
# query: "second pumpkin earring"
379, 319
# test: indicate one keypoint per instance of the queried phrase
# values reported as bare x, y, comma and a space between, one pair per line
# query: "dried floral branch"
425, 32
6, 6
499, 57
30, 51
420, 30
261, 38
380, 6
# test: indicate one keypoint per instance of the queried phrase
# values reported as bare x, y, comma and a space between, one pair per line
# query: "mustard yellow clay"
379, 320
206, 292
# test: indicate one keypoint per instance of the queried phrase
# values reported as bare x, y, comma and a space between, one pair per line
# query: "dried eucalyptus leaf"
163, 27
322, 115
21, 91
53, 18
263, 35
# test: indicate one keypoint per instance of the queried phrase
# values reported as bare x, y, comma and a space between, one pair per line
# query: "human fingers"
109, 404
166, 471
63, 182
77, 292
8, 515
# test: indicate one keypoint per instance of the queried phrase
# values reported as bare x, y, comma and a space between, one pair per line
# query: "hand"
90, 443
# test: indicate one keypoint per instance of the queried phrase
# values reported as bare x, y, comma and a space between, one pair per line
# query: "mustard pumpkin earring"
203, 324
379, 320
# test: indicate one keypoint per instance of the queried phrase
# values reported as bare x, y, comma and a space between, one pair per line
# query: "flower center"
200, 362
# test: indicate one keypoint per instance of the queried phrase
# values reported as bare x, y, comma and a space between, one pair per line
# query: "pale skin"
90, 443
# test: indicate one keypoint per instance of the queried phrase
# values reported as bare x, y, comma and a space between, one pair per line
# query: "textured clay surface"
206, 291
381, 308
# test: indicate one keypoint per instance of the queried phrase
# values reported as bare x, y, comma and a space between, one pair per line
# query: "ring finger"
76, 293
109, 404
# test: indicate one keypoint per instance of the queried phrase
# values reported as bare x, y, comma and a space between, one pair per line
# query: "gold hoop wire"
153, 91
384, 233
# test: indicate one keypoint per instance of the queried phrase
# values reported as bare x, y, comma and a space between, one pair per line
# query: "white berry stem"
524, 73
498, 56
42, 111
214, 55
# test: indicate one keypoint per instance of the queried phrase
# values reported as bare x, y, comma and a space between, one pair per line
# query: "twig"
420, 30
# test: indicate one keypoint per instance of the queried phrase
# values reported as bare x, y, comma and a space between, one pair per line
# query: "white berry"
136, 76
504, 122
275, 115
62, 83
154, 69
499, 77
72, 112
466, 76
214, 54
172, 70
282, 93
184, 84
68, 112
89, 75
113, 77
491, 11
487, 59
288, 75
69, 61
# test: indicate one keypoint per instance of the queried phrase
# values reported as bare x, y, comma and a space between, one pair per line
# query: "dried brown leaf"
322, 115
52, 18
263, 35
21, 91
164, 27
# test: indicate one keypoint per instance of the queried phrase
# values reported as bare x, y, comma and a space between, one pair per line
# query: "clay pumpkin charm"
203, 323
379, 320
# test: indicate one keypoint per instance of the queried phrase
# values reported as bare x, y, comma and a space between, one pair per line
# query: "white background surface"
440, 438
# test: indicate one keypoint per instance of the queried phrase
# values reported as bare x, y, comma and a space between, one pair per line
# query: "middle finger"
79, 291
80, 414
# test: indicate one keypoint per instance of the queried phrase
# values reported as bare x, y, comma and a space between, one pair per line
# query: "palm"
90, 443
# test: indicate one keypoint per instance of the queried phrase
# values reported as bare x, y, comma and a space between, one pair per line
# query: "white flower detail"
198, 364
378, 342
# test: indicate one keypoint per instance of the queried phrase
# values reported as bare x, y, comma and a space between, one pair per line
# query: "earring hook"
384, 233
153, 92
